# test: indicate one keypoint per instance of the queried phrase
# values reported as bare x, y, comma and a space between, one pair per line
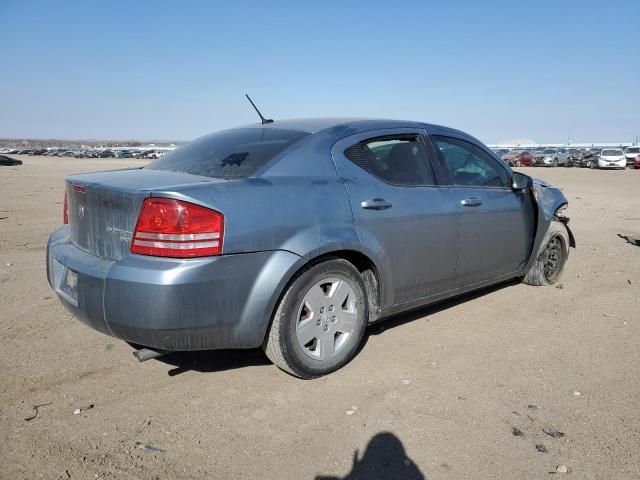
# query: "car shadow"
384, 459
631, 240
402, 318
208, 361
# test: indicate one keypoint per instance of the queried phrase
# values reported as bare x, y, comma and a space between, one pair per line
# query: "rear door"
401, 211
496, 222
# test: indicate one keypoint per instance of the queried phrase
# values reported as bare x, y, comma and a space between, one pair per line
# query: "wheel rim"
327, 318
553, 256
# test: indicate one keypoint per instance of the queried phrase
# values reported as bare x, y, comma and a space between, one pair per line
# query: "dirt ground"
433, 394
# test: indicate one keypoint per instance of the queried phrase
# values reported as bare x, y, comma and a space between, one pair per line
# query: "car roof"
353, 125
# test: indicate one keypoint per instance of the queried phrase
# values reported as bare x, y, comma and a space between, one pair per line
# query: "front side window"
469, 165
399, 160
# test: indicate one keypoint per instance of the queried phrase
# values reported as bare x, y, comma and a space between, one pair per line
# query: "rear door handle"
375, 204
471, 202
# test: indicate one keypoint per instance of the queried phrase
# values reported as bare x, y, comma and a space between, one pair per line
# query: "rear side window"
229, 154
399, 160
469, 165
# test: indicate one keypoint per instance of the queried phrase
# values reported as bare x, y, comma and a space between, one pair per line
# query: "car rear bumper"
171, 304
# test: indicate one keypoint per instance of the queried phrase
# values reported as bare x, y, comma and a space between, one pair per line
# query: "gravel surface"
433, 394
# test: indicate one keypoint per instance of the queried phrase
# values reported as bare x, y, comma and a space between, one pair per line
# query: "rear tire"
551, 257
320, 321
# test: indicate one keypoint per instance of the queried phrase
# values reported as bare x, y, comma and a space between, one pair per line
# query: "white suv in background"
612, 158
631, 153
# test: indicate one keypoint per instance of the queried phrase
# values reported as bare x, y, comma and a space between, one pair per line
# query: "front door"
497, 224
400, 212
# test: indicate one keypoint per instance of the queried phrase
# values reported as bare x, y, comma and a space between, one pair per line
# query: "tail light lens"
65, 211
173, 228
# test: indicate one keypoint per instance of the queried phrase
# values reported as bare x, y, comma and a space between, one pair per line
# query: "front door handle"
471, 202
375, 204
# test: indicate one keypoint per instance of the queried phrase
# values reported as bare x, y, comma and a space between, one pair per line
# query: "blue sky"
178, 70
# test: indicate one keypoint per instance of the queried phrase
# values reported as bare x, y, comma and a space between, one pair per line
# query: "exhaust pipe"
145, 354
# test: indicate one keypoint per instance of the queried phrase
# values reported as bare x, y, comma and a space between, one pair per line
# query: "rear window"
228, 154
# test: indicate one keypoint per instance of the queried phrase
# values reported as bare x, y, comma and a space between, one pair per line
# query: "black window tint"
400, 160
229, 154
470, 165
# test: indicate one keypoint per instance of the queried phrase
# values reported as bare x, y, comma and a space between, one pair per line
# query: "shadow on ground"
631, 240
213, 360
384, 459
399, 320
221, 360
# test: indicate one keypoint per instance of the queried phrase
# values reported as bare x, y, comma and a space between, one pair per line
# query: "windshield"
549, 150
611, 152
633, 150
229, 154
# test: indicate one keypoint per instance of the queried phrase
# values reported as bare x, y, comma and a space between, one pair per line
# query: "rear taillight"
173, 228
65, 211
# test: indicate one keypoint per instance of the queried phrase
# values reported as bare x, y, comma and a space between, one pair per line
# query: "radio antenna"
262, 119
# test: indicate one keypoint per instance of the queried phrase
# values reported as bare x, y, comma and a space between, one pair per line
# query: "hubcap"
553, 259
326, 318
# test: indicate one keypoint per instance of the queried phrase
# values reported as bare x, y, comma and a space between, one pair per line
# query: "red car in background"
519, 158
636, 162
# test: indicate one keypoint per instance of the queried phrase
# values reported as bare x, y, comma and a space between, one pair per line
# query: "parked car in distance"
524, 159
156, 154
552, 157
584, 158
636, 163
9, 162
630, 154
510, 156
295, 235
612, 158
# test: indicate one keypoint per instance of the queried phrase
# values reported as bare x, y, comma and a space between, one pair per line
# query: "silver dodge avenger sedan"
295, 235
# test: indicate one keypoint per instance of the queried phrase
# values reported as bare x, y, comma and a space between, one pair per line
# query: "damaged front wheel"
551, 257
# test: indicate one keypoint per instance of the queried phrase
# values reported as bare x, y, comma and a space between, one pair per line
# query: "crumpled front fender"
548, 199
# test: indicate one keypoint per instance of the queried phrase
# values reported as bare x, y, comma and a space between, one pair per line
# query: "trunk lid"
104, 206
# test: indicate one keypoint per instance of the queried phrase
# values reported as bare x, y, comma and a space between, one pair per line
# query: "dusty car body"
390, 215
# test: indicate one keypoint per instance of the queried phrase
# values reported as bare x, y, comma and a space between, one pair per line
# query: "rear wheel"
319, 323
552, 255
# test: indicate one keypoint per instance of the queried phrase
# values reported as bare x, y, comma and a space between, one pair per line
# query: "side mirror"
521, 181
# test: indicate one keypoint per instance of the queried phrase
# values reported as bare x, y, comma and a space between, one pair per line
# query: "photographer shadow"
384, 459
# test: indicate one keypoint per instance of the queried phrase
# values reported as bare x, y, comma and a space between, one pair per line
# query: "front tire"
320, 321
551, 257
